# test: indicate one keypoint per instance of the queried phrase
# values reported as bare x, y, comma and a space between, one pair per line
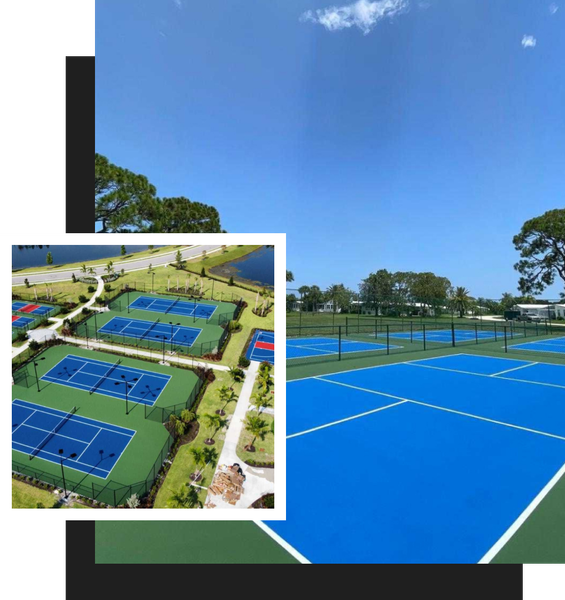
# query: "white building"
542, 311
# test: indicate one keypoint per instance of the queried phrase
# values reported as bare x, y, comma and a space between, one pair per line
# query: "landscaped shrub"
91, 289
82, 298
33, 345
85, 311
244, 362
107, 287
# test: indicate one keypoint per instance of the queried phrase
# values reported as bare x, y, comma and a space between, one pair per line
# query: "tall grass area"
63, 291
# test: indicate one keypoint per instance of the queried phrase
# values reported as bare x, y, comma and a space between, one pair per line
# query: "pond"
257, 268
24, 257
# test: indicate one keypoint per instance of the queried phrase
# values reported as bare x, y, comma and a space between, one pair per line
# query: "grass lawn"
27, 496
264, 449
220, 257
63, 291
100, 261
183, 464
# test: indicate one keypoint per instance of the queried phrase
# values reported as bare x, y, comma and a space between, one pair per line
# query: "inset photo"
144, 376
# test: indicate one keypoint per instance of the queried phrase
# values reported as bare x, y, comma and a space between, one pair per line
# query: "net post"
495, 333
453, 334
505, 341
388, 339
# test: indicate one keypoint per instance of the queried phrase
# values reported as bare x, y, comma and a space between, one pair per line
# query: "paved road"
127, 265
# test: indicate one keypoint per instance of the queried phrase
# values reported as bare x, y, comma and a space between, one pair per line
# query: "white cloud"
178, 3
553, 8
529, 41
362, 14
424, 5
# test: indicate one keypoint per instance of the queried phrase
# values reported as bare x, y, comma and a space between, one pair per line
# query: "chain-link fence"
376, 337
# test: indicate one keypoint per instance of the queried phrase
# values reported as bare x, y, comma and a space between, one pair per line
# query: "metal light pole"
73, 455
172, 334
127, 384
35, 369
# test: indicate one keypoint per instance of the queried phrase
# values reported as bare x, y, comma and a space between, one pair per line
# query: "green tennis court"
186, 542
140, 462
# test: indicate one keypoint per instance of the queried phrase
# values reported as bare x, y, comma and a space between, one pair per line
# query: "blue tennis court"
174, 307
445, 336
35, 309
555, 345
426, 461
20, 322
262, 347
148, 330
320, 346
97, 376
41, 432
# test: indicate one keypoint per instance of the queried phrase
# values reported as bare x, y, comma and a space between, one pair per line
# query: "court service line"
514, 369
553, 385
88, 445
509, 533
450, 410
28, 417
369, 412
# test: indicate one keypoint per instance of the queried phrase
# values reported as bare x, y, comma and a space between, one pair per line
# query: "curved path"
127, 265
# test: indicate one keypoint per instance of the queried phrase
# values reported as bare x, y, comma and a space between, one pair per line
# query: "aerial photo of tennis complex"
142, 378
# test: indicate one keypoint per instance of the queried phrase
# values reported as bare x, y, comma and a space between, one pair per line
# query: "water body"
36, 256
257, 268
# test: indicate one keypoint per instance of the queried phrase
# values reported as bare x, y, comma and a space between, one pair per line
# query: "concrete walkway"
138, 264
258, 481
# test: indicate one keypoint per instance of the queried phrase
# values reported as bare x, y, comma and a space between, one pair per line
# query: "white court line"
450, 410
369, 412
56, 434
88, 445
91, 467
28, 417
522, 518
102, 362
283, 543
553, 385
79, 419
514, 369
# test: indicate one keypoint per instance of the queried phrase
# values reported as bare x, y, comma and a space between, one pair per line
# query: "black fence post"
339, 342
476, 334
505, 341
453, 334
388, 340
424, 334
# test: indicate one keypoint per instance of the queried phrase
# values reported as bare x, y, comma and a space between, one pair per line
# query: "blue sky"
393, 134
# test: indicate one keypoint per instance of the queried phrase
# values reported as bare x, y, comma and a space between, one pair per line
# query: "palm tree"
186, 497
83, 268
289, 276
256, 426
109, 268
226, 395
200, 461
91, 271
260, 401
264, 381
461, 300
212, 421
178, 424
236, 374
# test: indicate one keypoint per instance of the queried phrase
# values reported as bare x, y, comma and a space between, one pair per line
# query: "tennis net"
105, 376
145, 333
172, 306
52, 433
